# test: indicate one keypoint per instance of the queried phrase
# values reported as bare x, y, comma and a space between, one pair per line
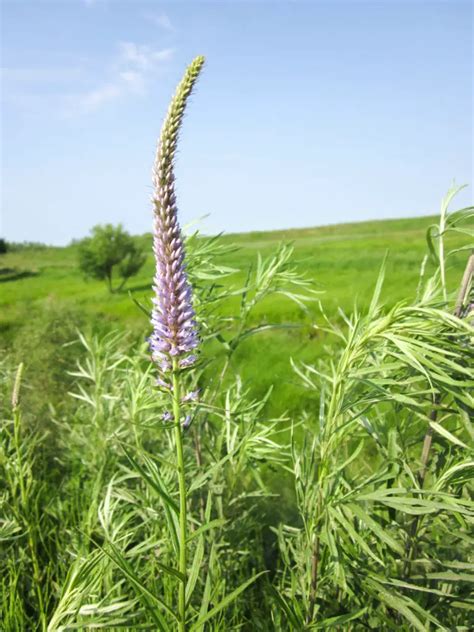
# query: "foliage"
377, 534
19, 246
109, 249
357, 555
110, 441
339, 259
3, 246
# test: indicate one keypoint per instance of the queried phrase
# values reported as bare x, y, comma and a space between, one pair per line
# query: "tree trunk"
109, 281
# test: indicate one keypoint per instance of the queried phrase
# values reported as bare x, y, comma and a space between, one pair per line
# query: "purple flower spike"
174, 327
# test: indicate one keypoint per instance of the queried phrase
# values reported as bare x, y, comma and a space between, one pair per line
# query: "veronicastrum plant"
172, 343
166, 559
174, 328
129, 485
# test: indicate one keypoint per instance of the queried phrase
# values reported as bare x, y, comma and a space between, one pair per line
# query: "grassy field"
44, 297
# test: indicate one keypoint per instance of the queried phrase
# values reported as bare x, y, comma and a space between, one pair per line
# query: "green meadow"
44, 299
329, 359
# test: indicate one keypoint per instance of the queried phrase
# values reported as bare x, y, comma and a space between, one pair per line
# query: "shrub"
109, 250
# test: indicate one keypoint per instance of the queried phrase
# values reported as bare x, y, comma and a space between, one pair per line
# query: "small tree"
3, 246
110, 249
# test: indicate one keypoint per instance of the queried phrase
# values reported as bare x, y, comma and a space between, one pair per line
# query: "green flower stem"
182, 496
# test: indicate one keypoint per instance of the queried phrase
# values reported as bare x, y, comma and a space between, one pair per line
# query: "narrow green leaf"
399, 604
449, 576
207, 594
200, 480
195, 568
213, 524
355, 537
430, 243
287, 609
377, 529
151, 482
149, 600
170, 571
447, 435
374, 304
225, 602
338, 620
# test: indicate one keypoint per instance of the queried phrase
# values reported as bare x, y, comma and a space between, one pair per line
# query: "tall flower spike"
174, 328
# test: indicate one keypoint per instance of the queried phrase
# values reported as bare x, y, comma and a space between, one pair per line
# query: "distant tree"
19, 246
108, 251
3, 246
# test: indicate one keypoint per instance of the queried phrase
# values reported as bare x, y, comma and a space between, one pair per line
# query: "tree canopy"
108, 252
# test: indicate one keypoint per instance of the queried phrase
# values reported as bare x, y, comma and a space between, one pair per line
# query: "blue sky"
307, 113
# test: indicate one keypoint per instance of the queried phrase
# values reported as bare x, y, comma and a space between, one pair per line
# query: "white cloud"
71, 86
131, 72
134, 80
161, 20
142, 57
95, 98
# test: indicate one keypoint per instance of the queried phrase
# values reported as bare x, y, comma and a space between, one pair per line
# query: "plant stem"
427, 441
182, 496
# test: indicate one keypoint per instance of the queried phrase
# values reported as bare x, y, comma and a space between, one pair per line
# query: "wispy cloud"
96, 98
142, 57
132, 71
81, 85
160, 19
